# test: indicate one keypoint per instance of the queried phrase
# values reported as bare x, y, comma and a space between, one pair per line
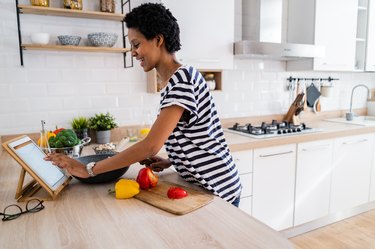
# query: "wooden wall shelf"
74, 48
70, 13
154, 82
26, 9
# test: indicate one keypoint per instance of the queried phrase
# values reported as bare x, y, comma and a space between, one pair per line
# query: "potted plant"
102, 124
80, 126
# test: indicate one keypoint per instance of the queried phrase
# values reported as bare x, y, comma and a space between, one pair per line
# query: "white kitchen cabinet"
244, 163
370, 45
352, 161
273, 185
246, 204
313, 180
329, 23
206, 31
372, 185
361, 38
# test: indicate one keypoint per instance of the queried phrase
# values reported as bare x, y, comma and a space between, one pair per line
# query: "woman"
187, 123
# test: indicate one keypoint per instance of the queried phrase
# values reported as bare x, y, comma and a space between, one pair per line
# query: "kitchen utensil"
102, 39
104, 177
317, 106
157, 197
40, 38
326, 91
298, 110
74, 151
312, 95
298, 102
69, 39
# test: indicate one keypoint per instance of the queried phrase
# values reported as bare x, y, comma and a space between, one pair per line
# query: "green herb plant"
102, 122
80, 123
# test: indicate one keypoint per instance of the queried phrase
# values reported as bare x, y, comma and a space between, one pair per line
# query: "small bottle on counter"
107, 6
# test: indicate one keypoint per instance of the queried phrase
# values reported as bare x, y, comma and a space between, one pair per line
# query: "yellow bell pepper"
125, 189
49, 134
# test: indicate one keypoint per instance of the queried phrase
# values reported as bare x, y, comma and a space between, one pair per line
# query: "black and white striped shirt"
197, 147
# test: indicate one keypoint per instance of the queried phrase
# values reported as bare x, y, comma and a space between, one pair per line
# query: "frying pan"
104, 177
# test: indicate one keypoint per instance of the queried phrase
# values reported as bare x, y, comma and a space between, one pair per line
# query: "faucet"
350, 114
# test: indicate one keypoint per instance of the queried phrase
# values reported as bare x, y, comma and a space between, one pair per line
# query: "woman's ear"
159, 40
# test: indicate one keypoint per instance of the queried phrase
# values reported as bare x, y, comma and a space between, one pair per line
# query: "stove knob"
279, 132
294, 130
289, 130
284, 131
298, 129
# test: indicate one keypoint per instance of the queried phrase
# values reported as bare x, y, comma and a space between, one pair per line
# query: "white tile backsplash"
57, 86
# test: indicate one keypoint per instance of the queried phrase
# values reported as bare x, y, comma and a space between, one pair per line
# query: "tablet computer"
32, 157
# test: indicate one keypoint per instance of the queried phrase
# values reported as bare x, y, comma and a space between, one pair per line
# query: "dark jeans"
236, 202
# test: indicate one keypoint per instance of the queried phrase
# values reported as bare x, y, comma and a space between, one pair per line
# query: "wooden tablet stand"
27, 192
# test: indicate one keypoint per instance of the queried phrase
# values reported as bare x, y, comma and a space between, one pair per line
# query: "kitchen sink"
357, 120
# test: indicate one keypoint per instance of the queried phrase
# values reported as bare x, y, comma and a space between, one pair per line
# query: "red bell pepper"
176, 193
146, 178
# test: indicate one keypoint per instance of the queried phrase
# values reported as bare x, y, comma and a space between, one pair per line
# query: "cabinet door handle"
276, 154
323, 147
355, 142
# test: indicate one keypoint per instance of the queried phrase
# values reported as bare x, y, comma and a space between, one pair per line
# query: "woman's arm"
149, 146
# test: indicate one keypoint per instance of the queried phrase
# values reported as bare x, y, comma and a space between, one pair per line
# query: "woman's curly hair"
152, 19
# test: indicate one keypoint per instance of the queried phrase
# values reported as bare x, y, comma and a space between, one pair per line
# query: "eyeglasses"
14, 211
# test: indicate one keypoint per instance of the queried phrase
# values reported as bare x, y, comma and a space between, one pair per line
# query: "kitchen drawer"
247, 184
246, 204
244, 161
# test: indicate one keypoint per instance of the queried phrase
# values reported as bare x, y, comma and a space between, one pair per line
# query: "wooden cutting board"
157, 197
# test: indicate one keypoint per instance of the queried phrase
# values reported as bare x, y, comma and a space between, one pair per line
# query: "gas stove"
273, 129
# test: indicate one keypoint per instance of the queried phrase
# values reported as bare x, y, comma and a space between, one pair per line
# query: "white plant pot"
103, 137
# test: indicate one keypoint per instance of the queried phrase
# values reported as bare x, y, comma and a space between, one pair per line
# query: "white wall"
57, 86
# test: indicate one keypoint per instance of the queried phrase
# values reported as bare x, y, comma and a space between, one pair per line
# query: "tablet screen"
33, 156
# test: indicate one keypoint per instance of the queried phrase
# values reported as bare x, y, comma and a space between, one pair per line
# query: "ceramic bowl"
72, 40
104, 177
102, 39
40, 38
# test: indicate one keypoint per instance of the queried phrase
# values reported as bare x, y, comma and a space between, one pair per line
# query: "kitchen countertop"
85, 216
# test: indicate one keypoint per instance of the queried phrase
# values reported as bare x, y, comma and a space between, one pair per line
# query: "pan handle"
85, 141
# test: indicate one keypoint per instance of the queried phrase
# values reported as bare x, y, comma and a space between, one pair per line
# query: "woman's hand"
73, 166
159, 163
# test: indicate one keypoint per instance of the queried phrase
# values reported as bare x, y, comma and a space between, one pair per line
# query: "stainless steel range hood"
278, 51
264, 33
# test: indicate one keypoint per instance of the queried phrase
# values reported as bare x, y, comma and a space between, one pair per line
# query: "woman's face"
145, 51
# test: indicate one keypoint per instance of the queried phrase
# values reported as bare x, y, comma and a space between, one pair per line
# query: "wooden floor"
354, 233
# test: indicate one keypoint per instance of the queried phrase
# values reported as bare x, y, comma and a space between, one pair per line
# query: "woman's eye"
136, 45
